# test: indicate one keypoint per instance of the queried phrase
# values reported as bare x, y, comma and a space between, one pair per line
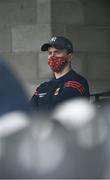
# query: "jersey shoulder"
77, 82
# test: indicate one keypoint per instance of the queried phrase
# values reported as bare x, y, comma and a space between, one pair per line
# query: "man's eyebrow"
54, 51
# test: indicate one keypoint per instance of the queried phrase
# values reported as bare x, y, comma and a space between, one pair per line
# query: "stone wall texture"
26, 24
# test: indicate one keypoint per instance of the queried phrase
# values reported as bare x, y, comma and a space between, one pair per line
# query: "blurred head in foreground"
14, 108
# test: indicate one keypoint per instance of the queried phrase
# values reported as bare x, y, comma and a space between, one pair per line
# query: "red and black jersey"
51, 93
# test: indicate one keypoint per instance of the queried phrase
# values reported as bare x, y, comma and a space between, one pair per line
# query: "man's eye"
59, 52
49, 53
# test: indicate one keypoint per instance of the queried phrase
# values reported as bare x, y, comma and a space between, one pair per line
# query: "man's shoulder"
77, 77
46, 85
76, 81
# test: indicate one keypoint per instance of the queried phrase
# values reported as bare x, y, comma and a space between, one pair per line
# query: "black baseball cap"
59, 42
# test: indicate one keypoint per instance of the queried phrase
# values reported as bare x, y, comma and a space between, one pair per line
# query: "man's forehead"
55, 49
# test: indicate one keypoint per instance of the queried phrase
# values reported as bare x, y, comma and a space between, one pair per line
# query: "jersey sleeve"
42, 95
71, 89
34, 99
75, 85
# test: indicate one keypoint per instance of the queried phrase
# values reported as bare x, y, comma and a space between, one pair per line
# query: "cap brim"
45, 47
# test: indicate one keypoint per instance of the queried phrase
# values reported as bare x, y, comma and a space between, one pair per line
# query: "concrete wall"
26, 24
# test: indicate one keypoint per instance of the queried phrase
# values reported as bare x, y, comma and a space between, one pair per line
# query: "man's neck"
62, 73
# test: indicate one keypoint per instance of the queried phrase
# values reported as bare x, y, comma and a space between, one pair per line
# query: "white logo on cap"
53, 39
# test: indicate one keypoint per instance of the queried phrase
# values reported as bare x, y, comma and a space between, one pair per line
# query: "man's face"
58, 59
53, 52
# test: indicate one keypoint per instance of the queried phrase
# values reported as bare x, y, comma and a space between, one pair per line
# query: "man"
66, 83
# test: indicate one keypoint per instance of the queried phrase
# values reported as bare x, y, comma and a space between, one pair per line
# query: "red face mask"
57, 63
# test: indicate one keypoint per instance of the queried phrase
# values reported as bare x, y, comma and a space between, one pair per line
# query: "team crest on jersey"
57, 91
42, 94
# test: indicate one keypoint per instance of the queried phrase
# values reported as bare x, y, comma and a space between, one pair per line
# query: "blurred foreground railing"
101, 98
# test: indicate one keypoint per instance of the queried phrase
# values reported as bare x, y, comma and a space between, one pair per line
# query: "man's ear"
70, 55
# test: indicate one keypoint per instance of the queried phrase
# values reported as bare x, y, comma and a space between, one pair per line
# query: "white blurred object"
75, 113
52, 149
12, 122
81, 116
42, 150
